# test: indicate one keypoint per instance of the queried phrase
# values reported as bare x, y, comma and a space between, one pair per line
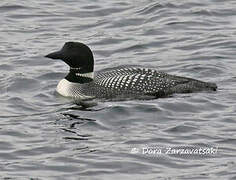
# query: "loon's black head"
77, 55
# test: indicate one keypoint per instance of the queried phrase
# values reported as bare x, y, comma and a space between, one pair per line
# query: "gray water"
45, 136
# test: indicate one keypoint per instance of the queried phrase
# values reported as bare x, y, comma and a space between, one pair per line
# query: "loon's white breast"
70, 89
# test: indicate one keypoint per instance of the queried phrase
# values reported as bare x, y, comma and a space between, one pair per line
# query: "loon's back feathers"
145, 81
119, 82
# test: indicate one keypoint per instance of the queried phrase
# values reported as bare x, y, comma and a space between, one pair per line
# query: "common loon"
121, 82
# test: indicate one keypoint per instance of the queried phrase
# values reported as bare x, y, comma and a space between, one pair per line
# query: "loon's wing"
144, 81
133, 84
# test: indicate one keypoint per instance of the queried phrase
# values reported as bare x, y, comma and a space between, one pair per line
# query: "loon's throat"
77, 77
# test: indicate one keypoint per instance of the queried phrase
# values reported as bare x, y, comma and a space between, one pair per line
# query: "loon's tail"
194, 86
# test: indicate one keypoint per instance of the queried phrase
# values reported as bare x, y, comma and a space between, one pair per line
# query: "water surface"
44, 136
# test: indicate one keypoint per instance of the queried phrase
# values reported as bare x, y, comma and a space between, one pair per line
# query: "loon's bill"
121, 82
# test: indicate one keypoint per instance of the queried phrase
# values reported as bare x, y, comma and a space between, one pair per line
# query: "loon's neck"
76, 76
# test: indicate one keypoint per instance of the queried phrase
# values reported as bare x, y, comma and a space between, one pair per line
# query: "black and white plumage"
120, 82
